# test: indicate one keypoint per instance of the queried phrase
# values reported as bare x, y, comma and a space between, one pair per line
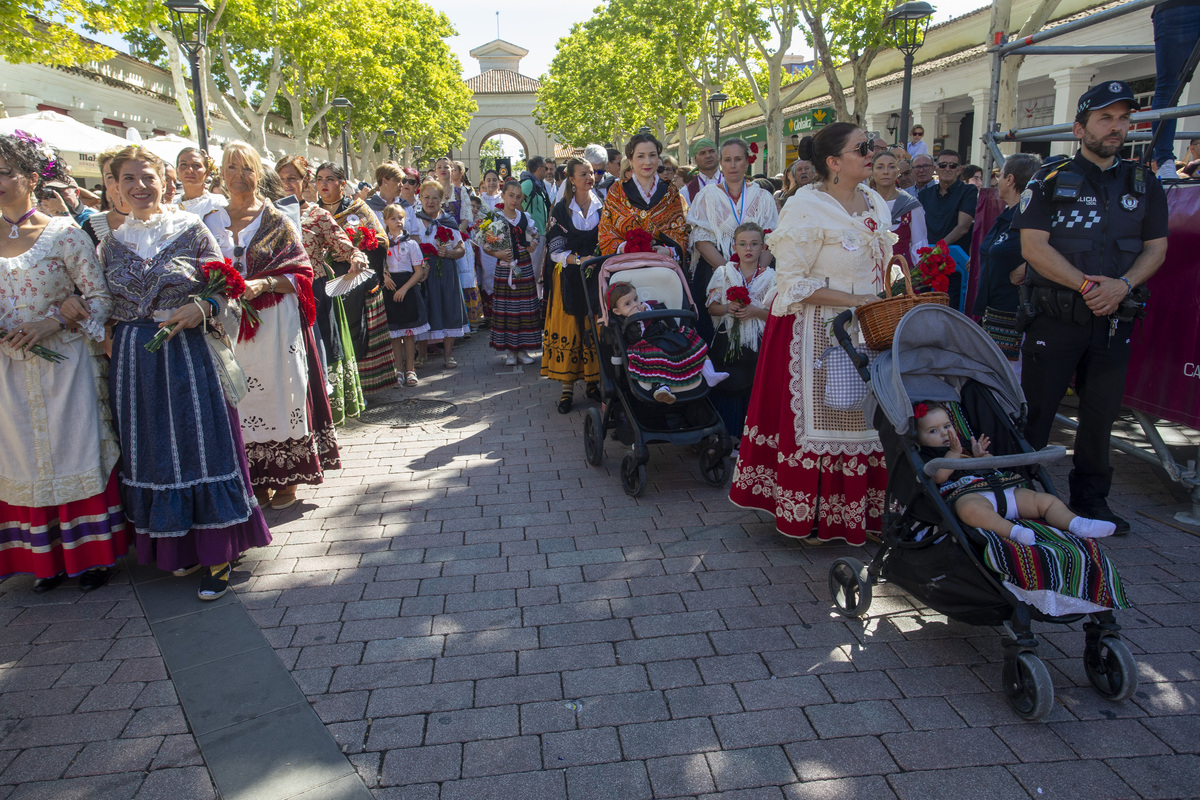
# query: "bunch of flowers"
220, 277
492, 233
53, 356
741, 296
639, 240
931, 274
753, 152
363, 237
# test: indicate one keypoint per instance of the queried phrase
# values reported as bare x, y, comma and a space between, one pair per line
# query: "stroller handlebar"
1046, 455
860, 361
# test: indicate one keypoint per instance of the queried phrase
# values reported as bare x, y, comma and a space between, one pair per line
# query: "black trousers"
1055, 350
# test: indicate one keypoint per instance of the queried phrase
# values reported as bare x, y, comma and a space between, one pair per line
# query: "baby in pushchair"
993, 500
665, 356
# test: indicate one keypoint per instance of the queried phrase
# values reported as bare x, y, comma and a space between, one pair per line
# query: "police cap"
1105, 94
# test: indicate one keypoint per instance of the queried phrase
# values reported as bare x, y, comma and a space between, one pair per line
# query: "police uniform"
1098, 220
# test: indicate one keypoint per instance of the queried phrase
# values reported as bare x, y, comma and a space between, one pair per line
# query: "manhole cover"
403, 413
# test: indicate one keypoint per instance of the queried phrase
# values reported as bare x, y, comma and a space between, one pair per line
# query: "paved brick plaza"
474, 613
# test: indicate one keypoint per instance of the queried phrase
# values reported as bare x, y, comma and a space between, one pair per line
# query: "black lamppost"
416, 156
893, 125
189, 21
716, 109
909, 22
389, 136
341, 102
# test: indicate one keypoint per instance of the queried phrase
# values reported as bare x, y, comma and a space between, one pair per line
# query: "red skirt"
71, 538
834, 496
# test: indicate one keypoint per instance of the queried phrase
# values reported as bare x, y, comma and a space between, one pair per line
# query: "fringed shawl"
625, 210
276, 252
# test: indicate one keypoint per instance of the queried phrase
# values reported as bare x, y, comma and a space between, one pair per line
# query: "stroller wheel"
1027, 686
593, 437
850, 587
1111, 668
633, 476
713, 466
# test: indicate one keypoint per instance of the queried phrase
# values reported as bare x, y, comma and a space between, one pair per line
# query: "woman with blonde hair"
185, 483
286, 421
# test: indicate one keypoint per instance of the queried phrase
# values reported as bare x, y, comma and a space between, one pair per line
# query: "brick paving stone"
561, 659
761, 793
422, 765
756, 728
680, 775
1071, 780
170, 784
978, 783
676, 737
119, 755
156, 721
673, 674
827, 759
472, 724
873, 717
1181, 733
750, 768
866, 788
1160, 777
518, 689
947, 749
848, 688
499, 756
574, 748
39, 764
542, 785
1110, 738
800, 691
421, 699
622, 781
703, 701
549, 716
623, 709
605, 680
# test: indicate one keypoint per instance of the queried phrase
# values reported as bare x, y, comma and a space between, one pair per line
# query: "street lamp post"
416, 155
909, 22
341, 102
189, 20
716, 104
389, 136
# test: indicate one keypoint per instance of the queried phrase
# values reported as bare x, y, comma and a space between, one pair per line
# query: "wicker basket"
878, 321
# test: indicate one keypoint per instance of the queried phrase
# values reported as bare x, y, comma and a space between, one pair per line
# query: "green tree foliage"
37, 31
489, 151
846, 33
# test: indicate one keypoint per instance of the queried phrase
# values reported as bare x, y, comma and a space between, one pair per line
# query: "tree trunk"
1010, 66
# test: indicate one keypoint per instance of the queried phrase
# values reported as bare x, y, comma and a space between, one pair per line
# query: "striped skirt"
377, 370
1002, 327
516, 309
649, 363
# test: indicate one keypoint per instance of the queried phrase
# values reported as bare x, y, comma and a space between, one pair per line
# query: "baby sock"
1091, 528
1021, 535
711, 376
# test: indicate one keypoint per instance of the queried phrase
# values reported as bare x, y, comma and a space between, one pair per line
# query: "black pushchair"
940, 355
628, 407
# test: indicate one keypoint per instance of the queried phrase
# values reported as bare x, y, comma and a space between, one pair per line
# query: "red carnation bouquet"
220, 277
740, 295
428, 250
363, 237
934, 269
753, 152
443, 235
639, 240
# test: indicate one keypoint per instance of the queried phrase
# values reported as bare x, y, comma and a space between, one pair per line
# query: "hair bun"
805, 148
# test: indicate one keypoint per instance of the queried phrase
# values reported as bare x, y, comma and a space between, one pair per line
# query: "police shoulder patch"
1026, 196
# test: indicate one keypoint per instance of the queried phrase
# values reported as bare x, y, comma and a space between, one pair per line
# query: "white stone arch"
501, 126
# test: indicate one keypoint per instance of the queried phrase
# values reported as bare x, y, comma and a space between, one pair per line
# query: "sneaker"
1167, 171
1104, 513
510, 360
524, 357
663, 395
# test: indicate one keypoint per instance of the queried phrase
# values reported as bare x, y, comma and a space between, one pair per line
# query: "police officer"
1093, 231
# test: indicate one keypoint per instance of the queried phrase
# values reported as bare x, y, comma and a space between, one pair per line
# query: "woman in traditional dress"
443, 293
490, 198
113, 209
322, 239
60, 507
645, 202
196, 171
716, 212
908, 216
364, 304
286, 421
571, 239
185, 482
816, 469
516, 311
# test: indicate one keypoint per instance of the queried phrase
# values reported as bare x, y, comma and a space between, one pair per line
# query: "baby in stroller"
667, 357
991, 502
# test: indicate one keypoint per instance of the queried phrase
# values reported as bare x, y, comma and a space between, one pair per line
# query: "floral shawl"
662, 217
275, 252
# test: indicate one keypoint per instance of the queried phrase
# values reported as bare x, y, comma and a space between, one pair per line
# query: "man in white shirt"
708, 168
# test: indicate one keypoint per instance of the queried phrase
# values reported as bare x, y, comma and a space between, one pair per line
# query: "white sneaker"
524, 357
510, 360
1167, 171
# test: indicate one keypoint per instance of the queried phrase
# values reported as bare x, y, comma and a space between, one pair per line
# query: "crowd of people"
181, 357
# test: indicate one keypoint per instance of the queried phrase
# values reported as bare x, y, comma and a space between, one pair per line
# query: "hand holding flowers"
220, 279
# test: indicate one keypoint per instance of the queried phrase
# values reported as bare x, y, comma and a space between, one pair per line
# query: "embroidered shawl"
276, 252
625, 210
714, 219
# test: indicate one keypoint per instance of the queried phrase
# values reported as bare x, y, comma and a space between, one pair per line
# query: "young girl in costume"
406, 314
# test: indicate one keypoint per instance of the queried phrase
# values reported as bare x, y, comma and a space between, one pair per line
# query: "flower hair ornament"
920, 410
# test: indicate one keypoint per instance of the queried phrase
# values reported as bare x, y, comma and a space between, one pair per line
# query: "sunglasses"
408, 182
863, 149
947, 165
918, 133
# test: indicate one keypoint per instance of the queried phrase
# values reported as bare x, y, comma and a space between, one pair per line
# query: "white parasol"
167, 147
76, 142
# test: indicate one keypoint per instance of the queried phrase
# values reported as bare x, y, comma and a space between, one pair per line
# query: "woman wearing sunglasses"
819, 470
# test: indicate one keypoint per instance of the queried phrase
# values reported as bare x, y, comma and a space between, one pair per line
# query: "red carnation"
738, 294
428, 250
639, 240
767, 230
754, 147
443, 235
735, 258
499, 206
920, 410
217, 273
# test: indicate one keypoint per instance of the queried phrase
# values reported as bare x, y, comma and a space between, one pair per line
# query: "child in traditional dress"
972, 496
406, 314
738, 299
667, 357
